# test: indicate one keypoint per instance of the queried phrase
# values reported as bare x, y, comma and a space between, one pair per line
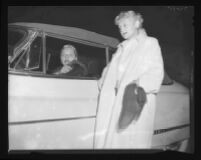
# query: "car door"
49, 111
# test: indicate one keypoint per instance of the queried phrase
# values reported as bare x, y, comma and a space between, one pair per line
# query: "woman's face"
128, 28
67, 56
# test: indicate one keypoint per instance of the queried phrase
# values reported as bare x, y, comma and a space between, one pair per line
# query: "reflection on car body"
48, 111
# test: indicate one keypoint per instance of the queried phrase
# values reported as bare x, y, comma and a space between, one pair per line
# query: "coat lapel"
133, 57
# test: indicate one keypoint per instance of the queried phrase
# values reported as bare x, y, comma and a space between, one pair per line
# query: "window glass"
15, 36
35, 55
31, 58
19, 62
90, 63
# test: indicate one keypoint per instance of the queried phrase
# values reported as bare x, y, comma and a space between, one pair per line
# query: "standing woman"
138, 60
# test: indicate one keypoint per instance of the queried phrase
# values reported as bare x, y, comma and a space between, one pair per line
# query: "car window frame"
20, 44
75, 40
22, 39
43, 73
24, 49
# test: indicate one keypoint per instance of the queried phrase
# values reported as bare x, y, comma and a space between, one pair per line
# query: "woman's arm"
101, 80
152, 78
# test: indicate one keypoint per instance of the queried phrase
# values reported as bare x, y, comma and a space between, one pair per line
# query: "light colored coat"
138, 59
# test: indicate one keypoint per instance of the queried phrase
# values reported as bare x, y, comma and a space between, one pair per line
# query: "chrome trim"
49, 120
42, 75
159, 131
44, 53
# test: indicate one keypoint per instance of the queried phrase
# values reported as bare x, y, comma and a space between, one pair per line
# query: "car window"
15, 36
30, 59
92, 58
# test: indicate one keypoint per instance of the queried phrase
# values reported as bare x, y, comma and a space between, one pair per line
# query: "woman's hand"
65, 69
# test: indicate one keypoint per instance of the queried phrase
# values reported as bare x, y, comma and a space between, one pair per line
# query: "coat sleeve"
101, 80
152, 78
104, 72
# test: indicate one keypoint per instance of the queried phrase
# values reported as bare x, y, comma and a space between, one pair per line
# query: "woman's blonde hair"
69, 46
129, 14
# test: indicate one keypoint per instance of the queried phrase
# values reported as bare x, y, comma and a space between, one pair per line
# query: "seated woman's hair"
69, 46
129, 14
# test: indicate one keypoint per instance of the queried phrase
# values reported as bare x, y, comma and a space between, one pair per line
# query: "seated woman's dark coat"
78, 69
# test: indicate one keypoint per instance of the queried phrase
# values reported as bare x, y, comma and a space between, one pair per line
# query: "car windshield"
15, 36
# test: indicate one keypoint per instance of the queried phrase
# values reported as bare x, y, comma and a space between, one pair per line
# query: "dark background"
173, 26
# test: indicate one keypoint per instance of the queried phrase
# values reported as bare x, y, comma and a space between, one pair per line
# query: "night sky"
166, 23
171, 25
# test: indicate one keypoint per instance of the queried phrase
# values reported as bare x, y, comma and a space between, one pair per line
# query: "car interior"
91, 57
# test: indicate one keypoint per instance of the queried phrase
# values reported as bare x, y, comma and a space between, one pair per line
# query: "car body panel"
55, 111
172, 106
172, 117
53, 100
60, 134
169, 137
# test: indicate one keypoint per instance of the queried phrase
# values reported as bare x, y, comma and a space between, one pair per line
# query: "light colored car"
48, 111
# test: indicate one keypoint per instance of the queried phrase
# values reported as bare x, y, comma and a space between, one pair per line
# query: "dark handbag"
134, 99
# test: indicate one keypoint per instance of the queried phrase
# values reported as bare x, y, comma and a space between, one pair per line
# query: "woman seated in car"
70, 64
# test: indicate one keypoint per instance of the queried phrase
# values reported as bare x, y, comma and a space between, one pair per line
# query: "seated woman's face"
67, 56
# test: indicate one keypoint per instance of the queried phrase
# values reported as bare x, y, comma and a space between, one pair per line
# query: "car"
48, 111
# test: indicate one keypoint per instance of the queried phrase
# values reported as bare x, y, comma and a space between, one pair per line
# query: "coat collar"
141, 35
137, 39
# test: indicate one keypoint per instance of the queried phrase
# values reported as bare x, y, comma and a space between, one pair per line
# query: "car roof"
71, 32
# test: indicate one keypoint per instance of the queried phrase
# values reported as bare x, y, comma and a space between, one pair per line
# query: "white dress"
136, 59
